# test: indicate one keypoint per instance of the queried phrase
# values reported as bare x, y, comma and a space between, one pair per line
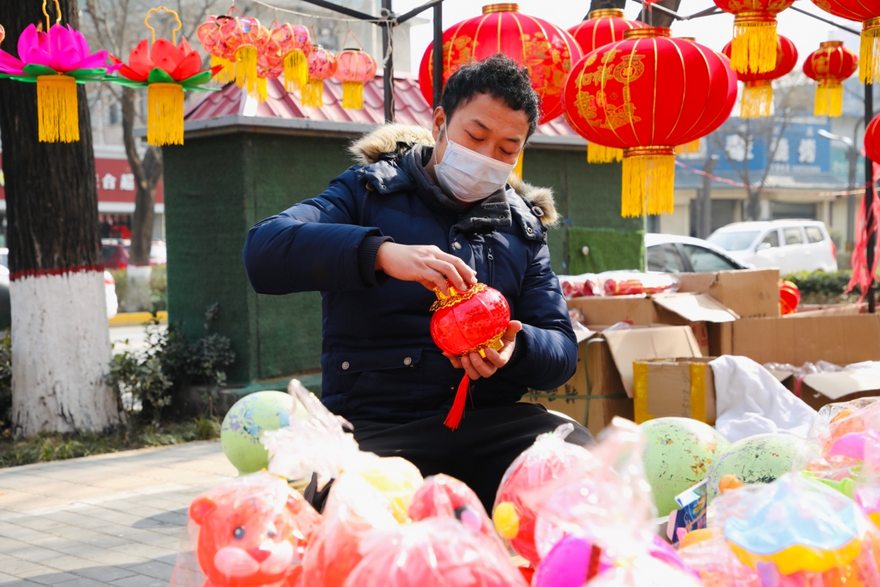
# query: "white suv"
791, 245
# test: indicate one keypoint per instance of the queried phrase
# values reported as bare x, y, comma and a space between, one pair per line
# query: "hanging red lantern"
754, 33
693, 146
758, 87
601, 27
354, 68
829, 65
322, 65
465, 323
647, 94
547, 50
868, 13
245, 37
292, 47
872, 140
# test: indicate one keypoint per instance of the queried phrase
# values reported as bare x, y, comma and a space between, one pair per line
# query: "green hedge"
820, 282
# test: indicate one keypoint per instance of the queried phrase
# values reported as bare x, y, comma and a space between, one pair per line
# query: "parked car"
672, 253
115, 253
111, 301
791, 245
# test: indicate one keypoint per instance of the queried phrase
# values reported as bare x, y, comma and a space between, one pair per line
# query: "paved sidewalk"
114, 519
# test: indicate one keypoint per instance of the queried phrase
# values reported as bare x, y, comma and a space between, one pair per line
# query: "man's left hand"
476, 366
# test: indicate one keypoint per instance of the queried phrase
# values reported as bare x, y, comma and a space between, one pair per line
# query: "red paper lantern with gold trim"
601, 27
547, 50
354, 68
868, 13
758, 91
829, 65
754, 33
872, 140
645, 95
465, 323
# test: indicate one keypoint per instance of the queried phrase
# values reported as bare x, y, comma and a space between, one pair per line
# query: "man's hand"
426, 264
476, 366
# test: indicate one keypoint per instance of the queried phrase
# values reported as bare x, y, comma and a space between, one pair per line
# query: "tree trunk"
60, 338
146, 174
753, 208
658, 17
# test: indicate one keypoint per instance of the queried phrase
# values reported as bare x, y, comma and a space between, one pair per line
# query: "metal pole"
438, 54
852, 155
869, 199
387, 34
704, 226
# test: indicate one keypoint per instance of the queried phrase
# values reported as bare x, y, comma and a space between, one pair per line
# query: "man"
411, 219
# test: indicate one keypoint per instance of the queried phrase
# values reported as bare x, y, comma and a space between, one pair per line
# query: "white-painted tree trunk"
60, 354
137, 291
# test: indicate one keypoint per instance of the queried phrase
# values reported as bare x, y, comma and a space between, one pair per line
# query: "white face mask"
467, 175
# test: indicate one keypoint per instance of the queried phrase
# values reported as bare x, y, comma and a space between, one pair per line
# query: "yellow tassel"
648, 181
519, 163
225, 75
164, 114
352, 95
313, 93
869, 51
246, 68
57, 109
753, 48
597, 153
691, 147
829, 99
261, 92
296, 71
756, 100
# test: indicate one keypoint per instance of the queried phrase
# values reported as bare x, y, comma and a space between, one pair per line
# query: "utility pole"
704, 199
869, 200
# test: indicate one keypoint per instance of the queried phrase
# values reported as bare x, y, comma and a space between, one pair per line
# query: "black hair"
498, 76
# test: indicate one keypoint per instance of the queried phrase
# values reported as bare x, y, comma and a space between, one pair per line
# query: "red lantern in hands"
468, 322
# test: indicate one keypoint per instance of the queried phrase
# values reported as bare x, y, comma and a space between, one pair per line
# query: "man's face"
485, 125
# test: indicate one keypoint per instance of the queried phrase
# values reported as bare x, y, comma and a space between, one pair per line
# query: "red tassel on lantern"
465, 323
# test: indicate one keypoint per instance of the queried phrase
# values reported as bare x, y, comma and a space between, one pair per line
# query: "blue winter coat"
378, 360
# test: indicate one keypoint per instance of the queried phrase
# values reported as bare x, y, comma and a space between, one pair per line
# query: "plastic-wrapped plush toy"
550, 459
645, 572
251, 531
836, 420
797, 532
594, 527
436, 552
706, 552
442, 496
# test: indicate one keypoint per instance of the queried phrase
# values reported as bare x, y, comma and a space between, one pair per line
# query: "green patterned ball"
245, 423
757, 459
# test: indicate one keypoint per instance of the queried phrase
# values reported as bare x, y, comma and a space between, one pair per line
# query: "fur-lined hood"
391, 138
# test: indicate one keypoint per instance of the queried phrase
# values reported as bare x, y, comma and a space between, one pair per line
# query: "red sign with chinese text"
115, 181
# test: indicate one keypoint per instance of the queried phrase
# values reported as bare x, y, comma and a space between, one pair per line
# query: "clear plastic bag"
549, 459
624, 283
435, 552
578, 286
252, 530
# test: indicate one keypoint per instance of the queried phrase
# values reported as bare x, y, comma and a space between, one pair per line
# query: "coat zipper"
490, 258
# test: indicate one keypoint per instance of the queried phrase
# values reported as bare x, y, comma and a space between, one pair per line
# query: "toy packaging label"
692, 515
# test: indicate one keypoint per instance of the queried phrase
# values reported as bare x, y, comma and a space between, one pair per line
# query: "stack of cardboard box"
670, 337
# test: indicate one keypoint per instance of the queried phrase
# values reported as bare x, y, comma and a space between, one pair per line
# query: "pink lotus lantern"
354, 68
209, 34
322, 65
56, 61
245, 37
166, 71
293, 46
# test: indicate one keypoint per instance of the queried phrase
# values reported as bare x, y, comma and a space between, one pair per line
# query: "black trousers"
478, 452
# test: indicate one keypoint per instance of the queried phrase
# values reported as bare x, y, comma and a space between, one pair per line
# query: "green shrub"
5, 380
821, 287
153, 384
158, 287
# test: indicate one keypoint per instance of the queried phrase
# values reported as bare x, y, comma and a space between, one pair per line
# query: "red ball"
470, 321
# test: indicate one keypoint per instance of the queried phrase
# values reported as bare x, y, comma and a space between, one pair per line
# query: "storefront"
116, 190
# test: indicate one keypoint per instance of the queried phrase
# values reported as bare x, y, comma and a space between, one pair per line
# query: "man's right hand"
426, 264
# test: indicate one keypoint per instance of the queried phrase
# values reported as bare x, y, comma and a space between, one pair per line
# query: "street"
136, 337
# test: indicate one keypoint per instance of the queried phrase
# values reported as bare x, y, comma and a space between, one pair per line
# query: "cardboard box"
750, 293
820, 389
838, 339
679, 309
683, 387
602, 386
